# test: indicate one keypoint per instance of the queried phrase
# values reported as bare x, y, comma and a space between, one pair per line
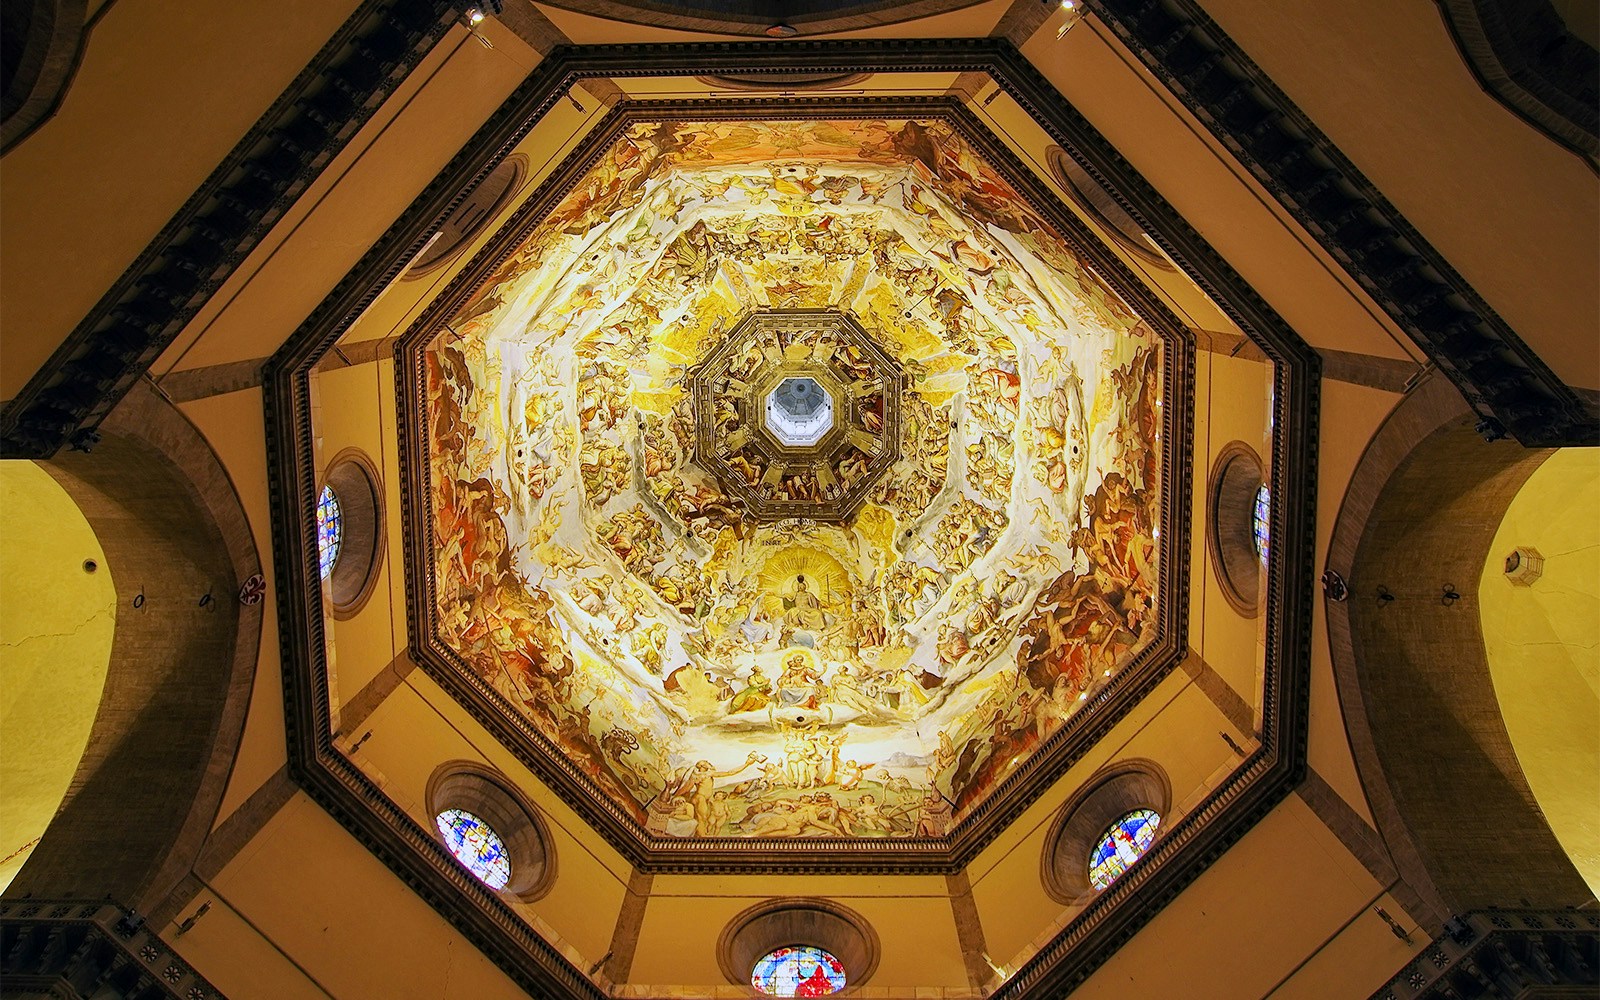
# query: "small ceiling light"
476, 13
1074, 12
782, 31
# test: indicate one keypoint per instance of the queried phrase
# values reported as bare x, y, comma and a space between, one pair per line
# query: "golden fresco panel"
723, 674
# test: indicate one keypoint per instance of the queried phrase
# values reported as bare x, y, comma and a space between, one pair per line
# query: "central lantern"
792, 479
797, 414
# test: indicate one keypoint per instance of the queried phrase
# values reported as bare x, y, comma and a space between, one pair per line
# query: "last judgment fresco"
795, 478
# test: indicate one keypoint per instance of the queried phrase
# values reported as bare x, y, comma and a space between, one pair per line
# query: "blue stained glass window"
1260, 522
330, 529
798, 971
476, 845
1122, 845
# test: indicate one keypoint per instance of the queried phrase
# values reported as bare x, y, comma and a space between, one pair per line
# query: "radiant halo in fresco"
734, 637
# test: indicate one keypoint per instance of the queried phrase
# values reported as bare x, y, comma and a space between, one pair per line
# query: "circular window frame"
1236, 475
1108, 796
488, 795
1059, 161
795, 921
358, 487
518, 164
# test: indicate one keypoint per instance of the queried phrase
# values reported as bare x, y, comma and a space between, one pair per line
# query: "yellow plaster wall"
1209, 189
1351, 414
548, 143
234, 956
1543, 644
1245, 926
412, 735
353, 408
914, 923
87, 191
1508, 208
361, 200
233, 424
1006, 118
339, 915
56, 626
1232, 397
1180, 735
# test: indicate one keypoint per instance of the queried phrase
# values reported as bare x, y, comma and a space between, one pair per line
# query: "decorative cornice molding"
1522, 54
1511, 389
188, 261
1505, 953
75, 947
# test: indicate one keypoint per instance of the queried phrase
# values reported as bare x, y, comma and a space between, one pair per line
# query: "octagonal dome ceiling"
743, 624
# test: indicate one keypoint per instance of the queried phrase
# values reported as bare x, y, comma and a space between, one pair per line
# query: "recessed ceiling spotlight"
1069, 4
781, 31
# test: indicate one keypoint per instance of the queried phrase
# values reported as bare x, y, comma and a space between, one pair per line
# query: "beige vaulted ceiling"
610, 570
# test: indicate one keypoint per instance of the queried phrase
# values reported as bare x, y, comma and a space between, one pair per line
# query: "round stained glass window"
1261, 520
798, 971
1122, 845
330, 529
476, 845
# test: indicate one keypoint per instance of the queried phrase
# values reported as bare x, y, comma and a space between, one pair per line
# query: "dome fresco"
738, 636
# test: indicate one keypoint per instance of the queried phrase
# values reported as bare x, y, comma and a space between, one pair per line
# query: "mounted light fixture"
1074, 11
476, 14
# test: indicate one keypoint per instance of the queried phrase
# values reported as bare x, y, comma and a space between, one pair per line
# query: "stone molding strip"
969, 929
1523, 56
55, 36
630, 922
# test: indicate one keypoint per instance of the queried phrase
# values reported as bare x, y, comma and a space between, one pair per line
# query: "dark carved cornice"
90, 948
1507, 384
1186, 850
215, 230
1522, 54
1505, 953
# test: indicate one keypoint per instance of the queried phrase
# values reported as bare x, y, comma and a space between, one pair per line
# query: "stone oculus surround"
798, 414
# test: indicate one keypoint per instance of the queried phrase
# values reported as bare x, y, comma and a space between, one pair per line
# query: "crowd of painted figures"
720, 676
